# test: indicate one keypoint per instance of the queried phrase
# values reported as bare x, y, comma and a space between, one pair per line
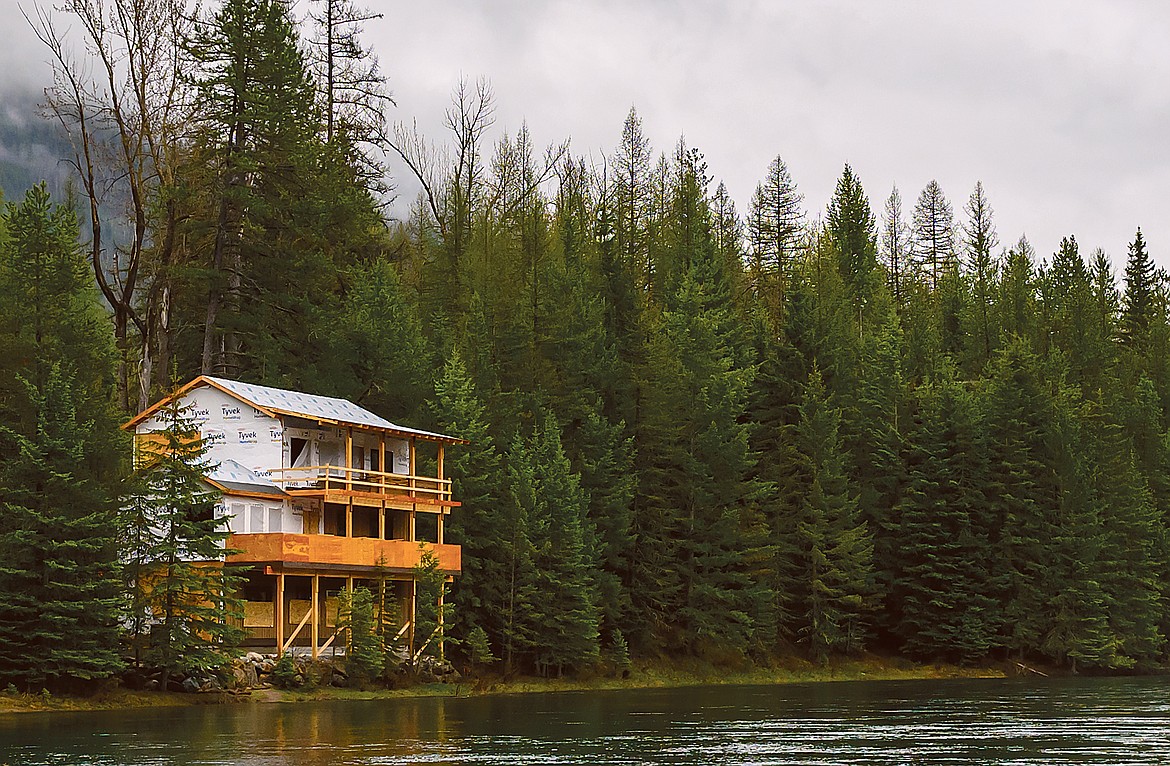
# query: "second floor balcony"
363, 486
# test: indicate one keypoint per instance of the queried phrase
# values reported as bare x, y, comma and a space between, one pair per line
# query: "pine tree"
59, 586
254, 185
1138, 300
432, 613
933, 234
364, 653
632, 200
567, 634
1023, 490
835, 550
852, 229
943, 568
60, 454
980, 240
895, 247
477, 480
187, 593
775, 228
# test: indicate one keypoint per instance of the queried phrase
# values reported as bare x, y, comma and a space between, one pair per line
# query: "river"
1032, 721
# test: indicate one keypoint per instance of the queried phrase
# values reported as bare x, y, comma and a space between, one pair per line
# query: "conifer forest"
735, 432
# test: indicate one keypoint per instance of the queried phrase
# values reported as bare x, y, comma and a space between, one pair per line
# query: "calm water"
1111, 721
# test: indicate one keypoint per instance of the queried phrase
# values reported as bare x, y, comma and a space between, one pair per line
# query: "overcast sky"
1062, 109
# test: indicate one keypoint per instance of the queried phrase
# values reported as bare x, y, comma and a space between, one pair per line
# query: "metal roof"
230, 475
313, 406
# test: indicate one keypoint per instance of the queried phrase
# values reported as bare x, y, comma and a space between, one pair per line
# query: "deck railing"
339, 478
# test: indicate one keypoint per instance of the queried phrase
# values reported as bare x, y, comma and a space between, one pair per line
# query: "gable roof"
276, 402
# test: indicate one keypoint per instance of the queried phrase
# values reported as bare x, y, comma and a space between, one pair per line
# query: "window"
238, 519
274, 517
256, 519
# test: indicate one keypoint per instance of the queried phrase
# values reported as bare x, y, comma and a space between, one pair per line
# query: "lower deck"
301, 612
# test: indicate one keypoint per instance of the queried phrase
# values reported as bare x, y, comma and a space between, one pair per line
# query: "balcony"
361, 486
323, 552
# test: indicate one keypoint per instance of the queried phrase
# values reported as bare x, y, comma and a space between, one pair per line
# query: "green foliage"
431, 612
619, 652
834, 556
60, 456
364, 655
284, 673
479, 648
59, 587
689, 433
182, 595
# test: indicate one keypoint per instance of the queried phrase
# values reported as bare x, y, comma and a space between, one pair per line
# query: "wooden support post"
439, 465
413, 599
316, 618
382, 521
439, 527
382, 459
349, 459
349, 517
410, 524
279, 614
442, 653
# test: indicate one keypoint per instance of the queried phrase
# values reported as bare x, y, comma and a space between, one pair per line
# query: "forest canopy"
695, 429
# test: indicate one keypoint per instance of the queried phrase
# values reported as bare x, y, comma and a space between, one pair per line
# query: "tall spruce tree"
834, 547
188, 593
942, 573
979, 243
853, 231
60, 455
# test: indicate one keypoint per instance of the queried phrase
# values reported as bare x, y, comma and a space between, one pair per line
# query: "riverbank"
643, 675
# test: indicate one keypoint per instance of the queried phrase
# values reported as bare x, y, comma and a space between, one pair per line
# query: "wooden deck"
332, 552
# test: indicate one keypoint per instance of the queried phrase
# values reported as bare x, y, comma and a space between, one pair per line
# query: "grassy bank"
644, 675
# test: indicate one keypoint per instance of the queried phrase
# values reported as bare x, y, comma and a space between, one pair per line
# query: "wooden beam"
315, 633
439, 628
349, 458
413, 596
280, 614
439, 473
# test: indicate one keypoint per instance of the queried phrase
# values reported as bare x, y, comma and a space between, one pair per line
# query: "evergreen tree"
835, 549
980, 240
632, 198
60, 455
364, 655
567, 632
852, 229
59, 586
480, 592
775, 228
1139, 299
432, 613
187, 593
943, 570
933, 234
895, 247
1023, 490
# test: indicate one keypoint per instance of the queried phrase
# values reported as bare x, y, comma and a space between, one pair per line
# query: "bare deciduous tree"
122, 102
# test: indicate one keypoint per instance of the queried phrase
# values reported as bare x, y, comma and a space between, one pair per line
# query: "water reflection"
1114, 721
